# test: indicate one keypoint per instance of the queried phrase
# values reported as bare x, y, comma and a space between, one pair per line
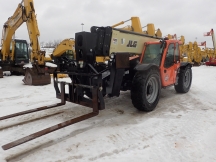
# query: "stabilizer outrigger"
74, 96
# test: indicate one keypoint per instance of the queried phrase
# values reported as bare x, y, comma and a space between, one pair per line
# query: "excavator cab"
69, 54
21, 55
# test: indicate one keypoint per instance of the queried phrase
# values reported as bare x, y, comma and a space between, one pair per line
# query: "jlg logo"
132, 43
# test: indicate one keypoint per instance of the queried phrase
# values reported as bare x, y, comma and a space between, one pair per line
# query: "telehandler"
110, 60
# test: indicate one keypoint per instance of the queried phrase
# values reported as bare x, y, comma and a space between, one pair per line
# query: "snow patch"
182, 127
49, 64
27, 65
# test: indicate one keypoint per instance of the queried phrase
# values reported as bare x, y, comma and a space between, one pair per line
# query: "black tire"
146, 89
184, 80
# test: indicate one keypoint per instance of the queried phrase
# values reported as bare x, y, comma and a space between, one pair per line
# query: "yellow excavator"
14, 53
64, 50
65, 47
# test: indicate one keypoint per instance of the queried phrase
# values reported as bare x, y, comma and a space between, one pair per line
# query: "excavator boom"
63, 46
9, 28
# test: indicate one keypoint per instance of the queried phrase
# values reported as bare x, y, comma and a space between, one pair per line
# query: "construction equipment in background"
190, 52
205, 54
14, 53
151, 31
64, 51
172, 36
136, 27
211, 33
16, 56
65, 48
197, 55
193, 52
133, 61
211, 52
202, 44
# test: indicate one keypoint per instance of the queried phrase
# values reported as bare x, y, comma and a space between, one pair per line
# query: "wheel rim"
187, 77
152, 89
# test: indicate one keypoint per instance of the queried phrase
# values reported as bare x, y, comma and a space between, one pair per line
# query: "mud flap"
32, 78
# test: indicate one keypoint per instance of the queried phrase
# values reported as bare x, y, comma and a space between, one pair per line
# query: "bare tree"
56, 42
42, 44
49, 44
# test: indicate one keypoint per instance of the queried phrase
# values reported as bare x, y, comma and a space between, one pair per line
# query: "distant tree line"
50, 44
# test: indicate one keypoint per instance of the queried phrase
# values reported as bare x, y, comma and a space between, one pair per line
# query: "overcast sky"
60, 19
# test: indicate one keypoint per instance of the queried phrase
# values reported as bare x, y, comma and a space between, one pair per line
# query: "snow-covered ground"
181, 128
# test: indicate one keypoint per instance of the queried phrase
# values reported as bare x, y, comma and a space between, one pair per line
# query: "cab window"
177, 52
21, 50
169, 60
152, 54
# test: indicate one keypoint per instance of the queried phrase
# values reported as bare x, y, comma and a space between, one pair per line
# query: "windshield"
69, 54
152, 54
21, 50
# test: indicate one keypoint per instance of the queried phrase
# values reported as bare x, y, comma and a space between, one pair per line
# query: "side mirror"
163, 43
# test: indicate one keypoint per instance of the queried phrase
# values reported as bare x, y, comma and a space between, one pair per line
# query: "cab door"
170, 65
176, 60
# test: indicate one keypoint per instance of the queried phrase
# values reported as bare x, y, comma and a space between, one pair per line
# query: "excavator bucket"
33, 78
1, 73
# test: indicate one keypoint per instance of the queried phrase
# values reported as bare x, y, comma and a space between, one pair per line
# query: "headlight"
112, 56
81, 64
